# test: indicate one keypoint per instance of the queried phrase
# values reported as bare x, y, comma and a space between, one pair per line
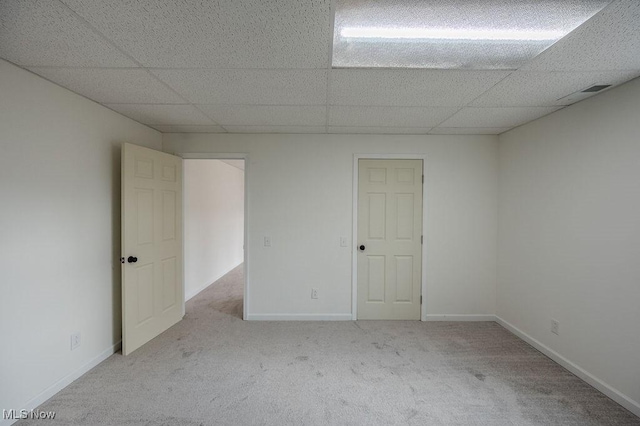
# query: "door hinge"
421, 239
421, 299
422, 178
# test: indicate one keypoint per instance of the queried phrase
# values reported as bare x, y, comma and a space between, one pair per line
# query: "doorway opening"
214, 235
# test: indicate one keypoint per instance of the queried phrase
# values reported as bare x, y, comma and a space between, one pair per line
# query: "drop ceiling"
246, 66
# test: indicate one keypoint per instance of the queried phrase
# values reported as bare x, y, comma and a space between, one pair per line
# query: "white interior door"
389, 239
152, 290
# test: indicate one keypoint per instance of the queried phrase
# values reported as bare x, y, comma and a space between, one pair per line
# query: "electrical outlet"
555, 327
314, 293
267, 241
75, 340
343, 241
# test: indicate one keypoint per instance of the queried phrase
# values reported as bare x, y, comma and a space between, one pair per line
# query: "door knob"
132, 259
362, 248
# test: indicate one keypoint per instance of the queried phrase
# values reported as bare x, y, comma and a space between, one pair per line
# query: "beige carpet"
214, 368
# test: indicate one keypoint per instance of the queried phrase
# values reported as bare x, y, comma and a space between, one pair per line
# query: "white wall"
214, 222
59, 232
300, 194
569, 231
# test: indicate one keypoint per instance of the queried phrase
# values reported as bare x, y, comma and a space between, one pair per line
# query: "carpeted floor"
214, 368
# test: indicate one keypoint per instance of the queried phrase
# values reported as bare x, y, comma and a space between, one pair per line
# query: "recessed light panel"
452, 34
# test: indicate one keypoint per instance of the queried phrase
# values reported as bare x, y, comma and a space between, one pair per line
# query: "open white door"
152, 290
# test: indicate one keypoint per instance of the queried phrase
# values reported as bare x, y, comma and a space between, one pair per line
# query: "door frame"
354, 237
230, 156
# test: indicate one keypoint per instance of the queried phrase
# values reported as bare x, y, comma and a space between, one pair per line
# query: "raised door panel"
143, 282
377, 216
144, 216
143, 167
169, 281
404, 216
169, 215
404, 278
376, 278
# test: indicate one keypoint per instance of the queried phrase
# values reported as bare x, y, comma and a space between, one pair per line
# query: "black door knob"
132, 259
362, 248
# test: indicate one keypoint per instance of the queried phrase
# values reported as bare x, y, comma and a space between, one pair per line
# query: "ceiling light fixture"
452, 34
478, 34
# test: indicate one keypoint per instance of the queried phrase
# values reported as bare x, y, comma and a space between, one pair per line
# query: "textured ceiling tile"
468, 130
162, 114
112, 85
496, 117
275, 129
253, 87
258, 115
545, 88
361, 116
46, 33
188, 129
608, 41
215, 34
410, 87
380, 130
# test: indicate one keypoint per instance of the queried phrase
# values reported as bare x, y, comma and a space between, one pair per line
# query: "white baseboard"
56, 387
606, 389
299, 317
194, 293
349, 317
447, 317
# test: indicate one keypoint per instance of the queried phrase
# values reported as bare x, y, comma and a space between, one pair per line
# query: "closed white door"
152, 290
389, 239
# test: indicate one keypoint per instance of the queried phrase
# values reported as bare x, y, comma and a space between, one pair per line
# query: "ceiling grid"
242, 66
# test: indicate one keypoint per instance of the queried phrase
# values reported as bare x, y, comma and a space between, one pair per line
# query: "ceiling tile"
380, 130
260, 115
608, 41
468, 130
496, 117
545, 88
112, 85
410, 87
47, 33
253, 87
188, 129
215, 34
275, 129
162, 114
359, 116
